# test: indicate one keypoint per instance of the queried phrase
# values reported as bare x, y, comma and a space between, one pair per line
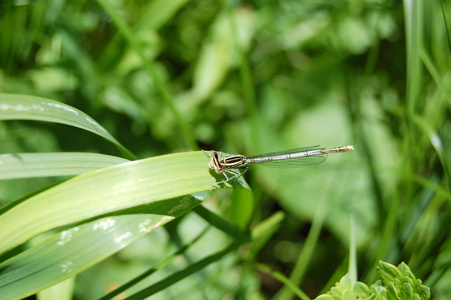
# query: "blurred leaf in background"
168, 76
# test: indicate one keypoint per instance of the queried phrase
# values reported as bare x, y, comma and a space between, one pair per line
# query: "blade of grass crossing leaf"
280, 277
23, 107
152, 270
174, 278
220, 223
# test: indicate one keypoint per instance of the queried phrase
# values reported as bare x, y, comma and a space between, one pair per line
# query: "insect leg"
234, 174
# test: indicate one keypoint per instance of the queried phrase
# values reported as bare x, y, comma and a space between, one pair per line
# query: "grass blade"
153, 182
152, 270
170, 280
22, 107
28, 165
282, 278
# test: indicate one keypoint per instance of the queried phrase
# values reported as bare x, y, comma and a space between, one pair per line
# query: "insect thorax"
233, 161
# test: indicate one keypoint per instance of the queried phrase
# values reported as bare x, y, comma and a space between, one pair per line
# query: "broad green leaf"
27, 165
106, 191
301, 191
23, 107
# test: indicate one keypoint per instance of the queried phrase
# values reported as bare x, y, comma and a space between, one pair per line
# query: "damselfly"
290, 158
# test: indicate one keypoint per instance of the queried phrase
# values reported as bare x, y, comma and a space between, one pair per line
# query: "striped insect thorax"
233, 161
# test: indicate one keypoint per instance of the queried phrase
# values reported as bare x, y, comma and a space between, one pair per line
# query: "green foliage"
134, 195
396, 283
103, 104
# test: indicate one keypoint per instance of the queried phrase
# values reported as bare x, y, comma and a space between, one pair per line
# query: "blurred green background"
249, 77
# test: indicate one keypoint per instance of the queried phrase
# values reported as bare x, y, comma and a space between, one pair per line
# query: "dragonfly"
306, 156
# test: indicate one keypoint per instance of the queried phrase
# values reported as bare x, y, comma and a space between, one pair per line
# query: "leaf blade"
24, 107
106, 191
71, 251
29, 165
